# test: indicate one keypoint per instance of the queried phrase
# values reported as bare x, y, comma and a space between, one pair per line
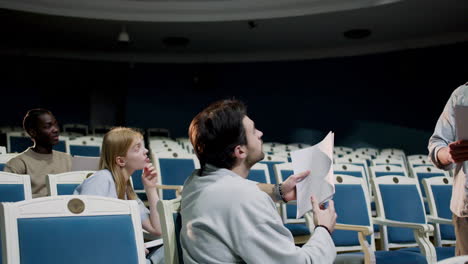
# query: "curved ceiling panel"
186, 10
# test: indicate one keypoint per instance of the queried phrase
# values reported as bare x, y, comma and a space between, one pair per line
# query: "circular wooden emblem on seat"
423, 161
344, 167
387, 168
429, 169
165, 145
395, 180
269, 158
84, 142
76, 206
445, 180
357, 156
350, 160
169, 149
174, 155
339, 179
387, 161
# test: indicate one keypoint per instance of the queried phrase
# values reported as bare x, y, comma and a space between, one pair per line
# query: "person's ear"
120, 161
240, 151
32, 133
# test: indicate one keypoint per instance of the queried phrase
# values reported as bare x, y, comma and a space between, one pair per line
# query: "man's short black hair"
31, 117
216, 131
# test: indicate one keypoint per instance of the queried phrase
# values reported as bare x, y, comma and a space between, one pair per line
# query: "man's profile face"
254, 142
46, 132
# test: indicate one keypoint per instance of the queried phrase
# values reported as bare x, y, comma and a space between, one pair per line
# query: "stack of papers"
461, 122
318, 159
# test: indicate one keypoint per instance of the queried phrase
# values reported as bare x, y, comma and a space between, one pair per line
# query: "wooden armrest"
365, 230
177, 188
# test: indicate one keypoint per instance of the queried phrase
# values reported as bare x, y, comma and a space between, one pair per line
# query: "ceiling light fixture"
123, 35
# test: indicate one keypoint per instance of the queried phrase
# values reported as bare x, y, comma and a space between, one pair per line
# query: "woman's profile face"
137, 157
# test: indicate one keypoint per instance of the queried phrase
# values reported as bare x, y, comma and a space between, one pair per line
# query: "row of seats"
406, 226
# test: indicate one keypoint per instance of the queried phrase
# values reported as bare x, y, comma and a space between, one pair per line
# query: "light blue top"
101, 183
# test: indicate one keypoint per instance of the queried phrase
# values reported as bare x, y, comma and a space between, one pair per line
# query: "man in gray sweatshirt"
229, 219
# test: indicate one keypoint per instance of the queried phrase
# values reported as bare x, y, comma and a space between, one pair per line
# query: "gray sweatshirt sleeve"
265, 237
444, 132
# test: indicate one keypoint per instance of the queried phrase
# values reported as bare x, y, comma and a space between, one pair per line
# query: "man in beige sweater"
39, 160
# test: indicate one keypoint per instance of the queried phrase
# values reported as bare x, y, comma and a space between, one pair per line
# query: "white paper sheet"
318, 159
461, 122
154, 243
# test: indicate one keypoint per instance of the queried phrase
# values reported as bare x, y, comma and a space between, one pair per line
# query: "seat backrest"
259, 173
20, 141
270, 161
72, 229
385, 170
367, 151
65, 183
352, 170
352, 205
288, 210
346, 150
392, 151
173, 169
85, 146
398, 198
386, 161
424, 172
357, 156
439, 193
14, 187
171, 224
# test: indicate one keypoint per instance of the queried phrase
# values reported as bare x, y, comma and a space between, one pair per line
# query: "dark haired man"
39, 160
229, 219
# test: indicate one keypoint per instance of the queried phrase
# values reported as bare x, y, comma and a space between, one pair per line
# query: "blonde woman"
123, 152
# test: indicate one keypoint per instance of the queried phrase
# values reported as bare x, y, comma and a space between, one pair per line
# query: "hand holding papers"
318, 159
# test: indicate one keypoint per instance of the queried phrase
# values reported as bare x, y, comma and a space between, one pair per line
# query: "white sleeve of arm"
444, 132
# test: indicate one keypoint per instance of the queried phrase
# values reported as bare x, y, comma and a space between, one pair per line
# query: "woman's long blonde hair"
116, 143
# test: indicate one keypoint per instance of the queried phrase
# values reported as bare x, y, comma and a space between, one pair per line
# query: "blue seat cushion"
271, 169
136, 179
409, 211
442, 252
298, 229
74, 240
174, 172
384, 257
88, 151
351, 211
11, 192
442, 196
257, 175
66, 189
